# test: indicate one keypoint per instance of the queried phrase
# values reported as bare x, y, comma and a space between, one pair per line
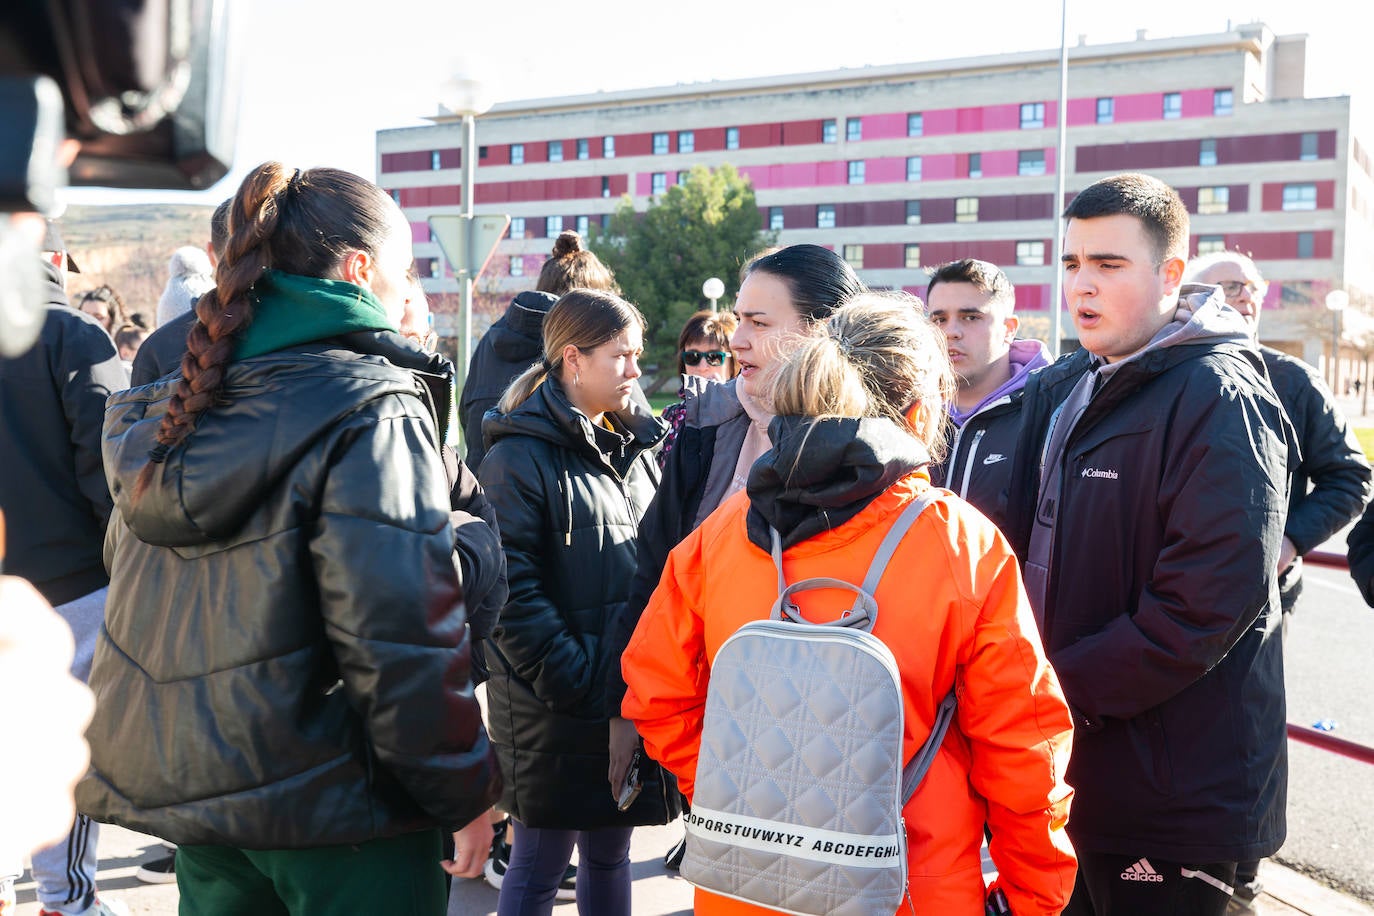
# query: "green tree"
708, 226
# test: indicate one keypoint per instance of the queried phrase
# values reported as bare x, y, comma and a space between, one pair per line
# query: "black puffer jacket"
285, 661
1332, 466
510, 346
1161, 612
568, 497
52, 485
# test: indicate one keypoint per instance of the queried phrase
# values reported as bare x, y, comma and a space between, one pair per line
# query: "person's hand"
1287, 554
471, 847
624, 740
35, 678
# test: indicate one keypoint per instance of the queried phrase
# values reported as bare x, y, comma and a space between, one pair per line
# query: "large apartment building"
902, 167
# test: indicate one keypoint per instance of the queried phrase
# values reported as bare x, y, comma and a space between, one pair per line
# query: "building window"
682, 177
913, 257
660, 144
1030, 162
1032, 115
854, 256
966, 210
1030, 254
517, 154
552, 226
605, 186
732, 138
434, 160
775, 218
658, 182
975, 165
853, 129
1106, 110
1211, 201
584, 149
1308, 152
481, 152
431, 267
1211, 244
555, 150
608, 147
825, 217
1299, 197
1173, 105
395, 195
828, 131
517, 266
1306, 245
1207, 153
686, 141
913, 168
517, 227
856, 172
915, 124
913, 213
1222, 102
606, 221
583, 224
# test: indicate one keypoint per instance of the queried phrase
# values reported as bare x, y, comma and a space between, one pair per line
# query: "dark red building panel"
451, 158
1275, 246
710, 139
996, 251
756, 135
1111, 157
1272, 194
796, 133
634, 144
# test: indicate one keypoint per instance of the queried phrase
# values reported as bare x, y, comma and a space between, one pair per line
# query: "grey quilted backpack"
800, 782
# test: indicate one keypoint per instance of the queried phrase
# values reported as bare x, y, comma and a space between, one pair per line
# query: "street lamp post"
465, 95
1336, 301
713, 289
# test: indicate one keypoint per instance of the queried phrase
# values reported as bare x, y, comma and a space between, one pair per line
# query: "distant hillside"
127, 247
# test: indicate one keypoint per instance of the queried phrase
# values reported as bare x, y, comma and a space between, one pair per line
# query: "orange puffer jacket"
952, 609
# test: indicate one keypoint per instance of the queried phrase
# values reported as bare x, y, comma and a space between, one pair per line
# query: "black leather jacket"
285, 659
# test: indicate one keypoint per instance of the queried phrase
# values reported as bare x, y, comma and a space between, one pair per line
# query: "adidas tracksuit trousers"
1116, 885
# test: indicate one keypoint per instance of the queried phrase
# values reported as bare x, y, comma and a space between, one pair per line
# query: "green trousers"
398, 875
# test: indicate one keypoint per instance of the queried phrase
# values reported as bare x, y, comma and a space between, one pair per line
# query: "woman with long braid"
283, 683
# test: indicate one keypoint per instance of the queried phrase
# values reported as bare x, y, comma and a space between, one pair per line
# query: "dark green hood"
289, 310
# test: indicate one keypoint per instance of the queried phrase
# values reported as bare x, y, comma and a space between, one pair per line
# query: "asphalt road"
1329, 658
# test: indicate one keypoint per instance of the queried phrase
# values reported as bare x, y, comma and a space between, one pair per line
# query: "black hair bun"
568, 242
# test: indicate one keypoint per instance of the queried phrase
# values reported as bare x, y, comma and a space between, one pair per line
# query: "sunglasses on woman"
712, 357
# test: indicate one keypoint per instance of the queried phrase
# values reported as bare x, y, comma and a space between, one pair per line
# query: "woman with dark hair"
514, 340
725, 427
105, 306
859, 410
703, 347
569, 473
282, 682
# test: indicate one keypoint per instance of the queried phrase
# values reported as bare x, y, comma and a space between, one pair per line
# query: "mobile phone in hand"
631, 786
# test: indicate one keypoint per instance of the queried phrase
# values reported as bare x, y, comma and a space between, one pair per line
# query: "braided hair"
297, 222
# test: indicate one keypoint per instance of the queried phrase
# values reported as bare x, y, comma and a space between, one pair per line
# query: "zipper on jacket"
968, 463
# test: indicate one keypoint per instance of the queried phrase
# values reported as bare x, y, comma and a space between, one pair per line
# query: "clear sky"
320, 78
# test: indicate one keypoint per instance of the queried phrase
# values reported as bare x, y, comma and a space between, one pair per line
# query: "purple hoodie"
1026, 356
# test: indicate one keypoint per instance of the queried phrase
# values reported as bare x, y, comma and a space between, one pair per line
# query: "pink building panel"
828, 173
1082, 111
940, 167
797, 175
999, 163
1147, 106
969, 120
760, 176
1005, 117
1197, 103
884, 126
886, 170
941, 121
419, 232
643, 184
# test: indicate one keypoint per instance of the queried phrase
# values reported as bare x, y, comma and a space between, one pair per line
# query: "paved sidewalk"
657, 892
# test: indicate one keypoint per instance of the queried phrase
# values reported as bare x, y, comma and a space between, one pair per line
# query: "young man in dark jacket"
971, 302
1150, 534
56, 505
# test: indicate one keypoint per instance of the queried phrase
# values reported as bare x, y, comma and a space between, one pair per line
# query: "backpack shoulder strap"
894, 537
915, 771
